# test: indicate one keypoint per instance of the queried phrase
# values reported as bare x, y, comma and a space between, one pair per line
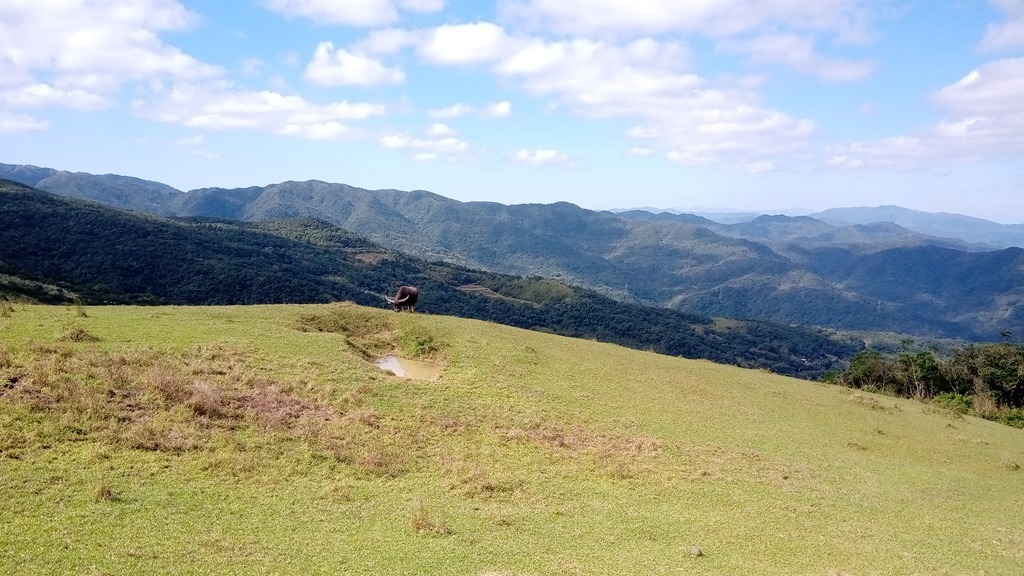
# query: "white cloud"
439, 129
646, 81
984, 118
426, 148
541, 157
79, 53
222, 106
994, 88
755, 167
713, 18
387, 41
115, 38
592, 74
442, 142
422, 5
291, 59
364, 13
189, 140
251, 66
330, 130
463, 43
641, 152
367, 13
10, 73
15, 123
844, 161
338, 67
797, 52
1008, 34
37, 95
453, 111
501, 109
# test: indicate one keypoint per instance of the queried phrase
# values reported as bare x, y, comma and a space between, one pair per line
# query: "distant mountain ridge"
114, 190
943, 224
794, 270
938, 224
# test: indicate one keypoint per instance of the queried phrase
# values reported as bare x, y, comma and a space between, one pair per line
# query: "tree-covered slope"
107, 255
777, 269
774, 268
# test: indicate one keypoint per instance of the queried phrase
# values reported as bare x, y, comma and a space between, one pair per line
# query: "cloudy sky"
768, 105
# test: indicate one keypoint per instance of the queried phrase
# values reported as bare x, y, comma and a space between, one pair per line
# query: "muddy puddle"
405, 368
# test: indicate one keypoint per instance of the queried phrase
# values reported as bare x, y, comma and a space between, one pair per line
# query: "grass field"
263, 440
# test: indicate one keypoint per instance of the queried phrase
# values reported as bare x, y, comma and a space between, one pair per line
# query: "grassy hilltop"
262, 440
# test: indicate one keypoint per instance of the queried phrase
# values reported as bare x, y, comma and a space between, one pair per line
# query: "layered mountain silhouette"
877, 276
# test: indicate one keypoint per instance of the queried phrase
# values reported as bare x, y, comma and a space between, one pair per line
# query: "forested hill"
877, 277
100, 254
785, 270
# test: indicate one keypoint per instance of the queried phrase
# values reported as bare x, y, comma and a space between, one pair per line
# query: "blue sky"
766, 105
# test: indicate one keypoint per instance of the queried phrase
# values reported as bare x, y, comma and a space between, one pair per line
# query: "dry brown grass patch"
371, 257
164, 432
872, 403
157, 402
423, 522
175, 403
472, 480
620, 456
105, 493
942, 412
76, 334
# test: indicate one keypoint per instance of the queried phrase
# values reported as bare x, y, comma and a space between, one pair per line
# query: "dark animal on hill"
405, 299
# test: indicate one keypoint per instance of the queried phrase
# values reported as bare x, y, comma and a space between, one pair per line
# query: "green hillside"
263, 440
52, 246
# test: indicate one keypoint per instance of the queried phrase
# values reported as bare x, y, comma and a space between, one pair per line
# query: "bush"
959, 403
1011, 417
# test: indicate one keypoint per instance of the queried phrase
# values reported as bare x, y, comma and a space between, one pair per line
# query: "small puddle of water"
405, 368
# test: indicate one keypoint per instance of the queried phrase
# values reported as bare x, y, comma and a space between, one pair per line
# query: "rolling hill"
800, 271
263, 440
52, 246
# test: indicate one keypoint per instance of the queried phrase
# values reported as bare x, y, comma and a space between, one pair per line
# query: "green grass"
251, 440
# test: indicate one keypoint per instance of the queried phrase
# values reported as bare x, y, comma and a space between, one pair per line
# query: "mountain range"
55, 249
960, 281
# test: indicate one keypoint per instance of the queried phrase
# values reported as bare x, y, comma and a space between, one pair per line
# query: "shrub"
1010, 416
959, 403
